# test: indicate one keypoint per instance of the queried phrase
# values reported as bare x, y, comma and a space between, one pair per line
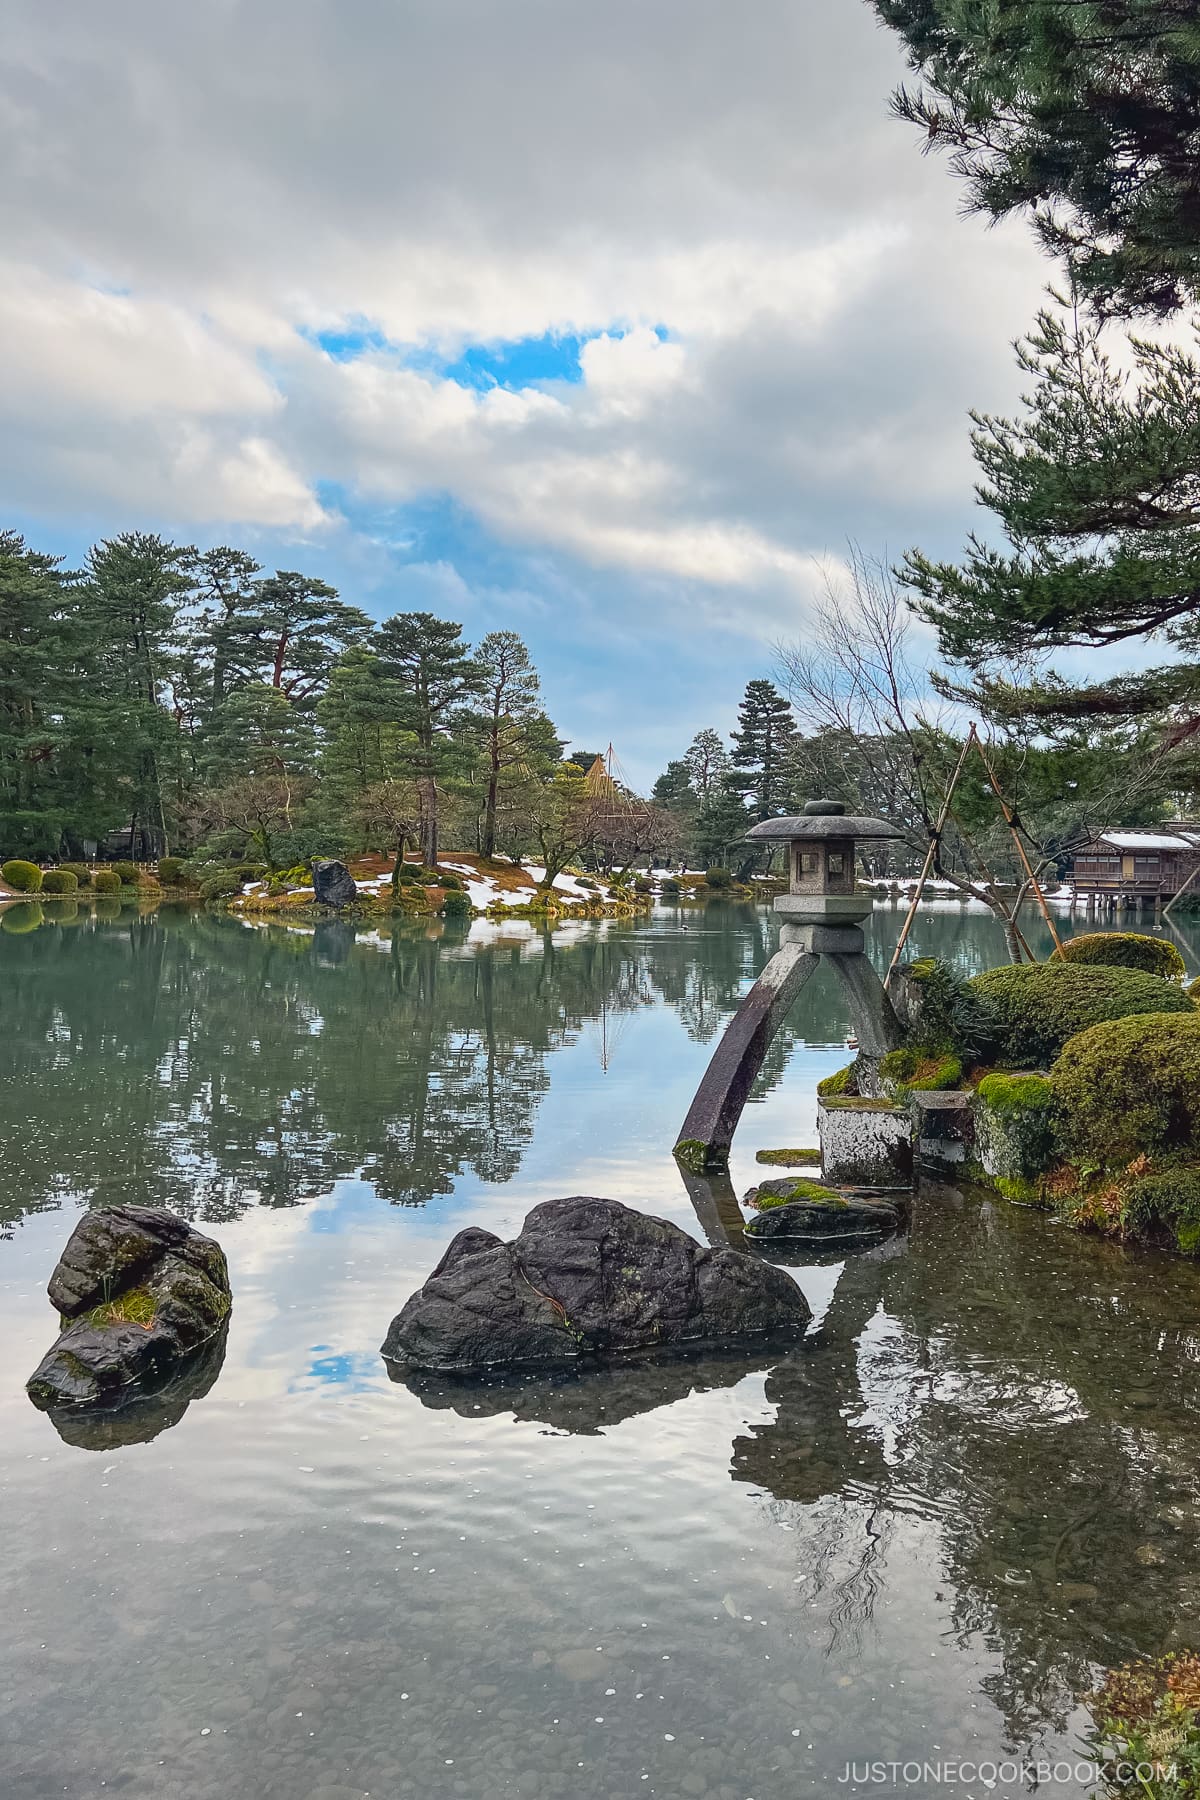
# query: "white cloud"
191, 188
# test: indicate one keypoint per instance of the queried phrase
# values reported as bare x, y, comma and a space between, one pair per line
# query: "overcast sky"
607, 323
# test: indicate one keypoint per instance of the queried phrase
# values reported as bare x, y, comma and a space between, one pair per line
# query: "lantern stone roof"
822, 820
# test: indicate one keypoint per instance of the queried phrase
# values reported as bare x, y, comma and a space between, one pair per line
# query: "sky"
612, 325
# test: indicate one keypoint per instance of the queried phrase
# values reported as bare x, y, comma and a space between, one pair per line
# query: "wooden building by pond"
1146, 865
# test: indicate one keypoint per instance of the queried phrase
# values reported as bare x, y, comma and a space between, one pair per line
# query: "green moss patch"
788, 1159
800, 1190
842, 1082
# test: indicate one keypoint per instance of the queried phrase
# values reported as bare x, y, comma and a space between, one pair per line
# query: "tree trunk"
427, 788
489, 816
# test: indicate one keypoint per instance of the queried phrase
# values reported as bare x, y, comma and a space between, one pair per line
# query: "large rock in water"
333, 884
137, 1290
838, 1216
587, 1275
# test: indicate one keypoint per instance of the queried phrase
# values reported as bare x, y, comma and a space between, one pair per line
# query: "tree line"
188, 700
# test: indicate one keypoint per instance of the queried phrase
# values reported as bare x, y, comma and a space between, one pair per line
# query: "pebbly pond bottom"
911, 1540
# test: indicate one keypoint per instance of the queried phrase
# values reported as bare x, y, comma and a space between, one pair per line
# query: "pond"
912, 1539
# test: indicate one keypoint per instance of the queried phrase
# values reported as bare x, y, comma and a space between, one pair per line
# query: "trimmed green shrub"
1127, 950
170, 870
1169, 1198
643, 885
248, 871
80, 871
22, 877
1131, 1087
59, 881
1033, 1008
106, 881
584, 881
456, 905
718, 878
128, 871
450, 881
670, 890
222, 884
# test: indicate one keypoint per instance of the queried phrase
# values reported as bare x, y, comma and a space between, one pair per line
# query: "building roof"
1182, 838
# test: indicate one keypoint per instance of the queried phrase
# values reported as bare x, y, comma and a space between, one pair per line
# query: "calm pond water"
914, 1537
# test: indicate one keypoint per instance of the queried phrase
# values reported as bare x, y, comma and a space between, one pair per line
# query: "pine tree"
1096, 487
429, 660
508, 723
1085, 113
762, 748
131, 599
722, 824
707, 762
293, 633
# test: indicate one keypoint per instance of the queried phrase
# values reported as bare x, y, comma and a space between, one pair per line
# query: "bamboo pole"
1011, 821
934, 840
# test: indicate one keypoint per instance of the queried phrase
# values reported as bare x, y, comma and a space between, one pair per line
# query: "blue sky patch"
509, 363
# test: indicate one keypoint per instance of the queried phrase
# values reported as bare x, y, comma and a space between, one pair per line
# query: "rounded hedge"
106, 881
22, 877
128, 873
170, 870
718, 878
1131, 1087
1127, 950
457, 905
1031, 1009
59, 881
80, 871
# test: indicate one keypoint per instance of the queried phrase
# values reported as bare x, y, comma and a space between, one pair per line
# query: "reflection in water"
921, 1530
148, 1413
277, 1061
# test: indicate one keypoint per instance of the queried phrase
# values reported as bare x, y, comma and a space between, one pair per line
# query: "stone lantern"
822, 846
822, 914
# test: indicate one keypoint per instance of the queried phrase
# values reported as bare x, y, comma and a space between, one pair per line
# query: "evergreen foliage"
1034, 1008
1131, 1087
1127, 950
23, 877
1086, 115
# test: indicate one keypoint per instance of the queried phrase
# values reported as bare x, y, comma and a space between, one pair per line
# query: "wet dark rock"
849, 1216
586, 1276
333, 884
146, 1410
138, 1291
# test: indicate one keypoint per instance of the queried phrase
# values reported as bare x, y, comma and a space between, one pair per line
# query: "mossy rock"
1015, 1132
801, 1209
908, 1071
783, 1190
1127, 950
1034, 1008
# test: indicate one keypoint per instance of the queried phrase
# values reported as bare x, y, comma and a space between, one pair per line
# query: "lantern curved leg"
875, 1023
714, 1113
